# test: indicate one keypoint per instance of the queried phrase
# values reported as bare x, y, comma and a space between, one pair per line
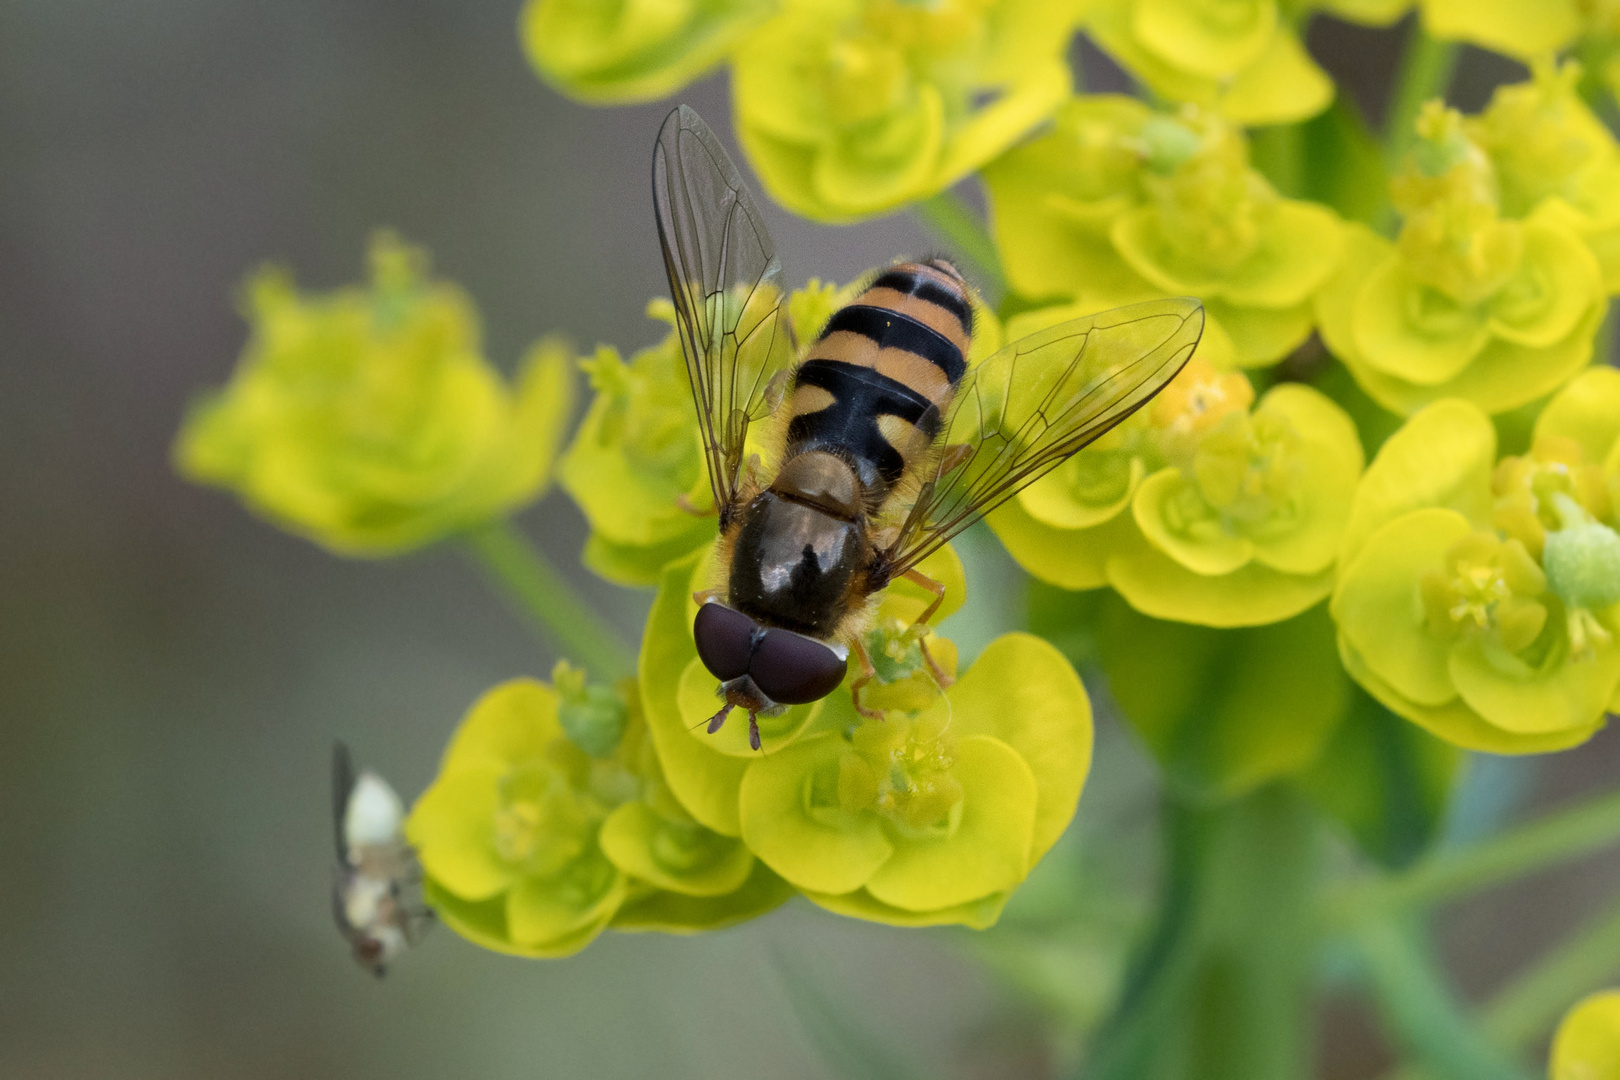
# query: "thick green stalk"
1526, 1008
960, 225
541, 594
1221, 991
1421, 1010
1158, 981
1552, 839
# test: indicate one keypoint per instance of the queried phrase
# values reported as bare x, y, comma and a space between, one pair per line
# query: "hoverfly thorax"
801, 546
890, 443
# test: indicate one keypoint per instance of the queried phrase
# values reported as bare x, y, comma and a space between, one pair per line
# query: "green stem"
1552, 839
1426, 71
961, 227
1221, 988
537, 591
1160, 976
1523, 1010
1422, 1011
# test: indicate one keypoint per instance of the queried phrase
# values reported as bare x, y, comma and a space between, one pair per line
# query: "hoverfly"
374, 888
887, 444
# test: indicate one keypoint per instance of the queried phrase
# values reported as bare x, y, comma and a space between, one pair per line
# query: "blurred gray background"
173, 672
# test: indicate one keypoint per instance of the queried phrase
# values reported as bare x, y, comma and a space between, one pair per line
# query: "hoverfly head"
761, 668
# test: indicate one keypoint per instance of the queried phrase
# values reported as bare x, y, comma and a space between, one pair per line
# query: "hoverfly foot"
855, 698
719, 718
753, 731
945, 681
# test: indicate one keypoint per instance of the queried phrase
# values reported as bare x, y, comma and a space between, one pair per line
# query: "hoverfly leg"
867, 672
753, 730
945, 681
719, 718
917, 577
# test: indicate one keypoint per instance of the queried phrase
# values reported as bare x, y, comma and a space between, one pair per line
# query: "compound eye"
792, 669
725, 640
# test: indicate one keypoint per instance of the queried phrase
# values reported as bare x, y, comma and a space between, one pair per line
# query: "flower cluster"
932, 814
1242, 58
608, 53
635, 466
847, 108
1480, 598
1207, 507
1490, 292
1120, 203
550, 821
367, 420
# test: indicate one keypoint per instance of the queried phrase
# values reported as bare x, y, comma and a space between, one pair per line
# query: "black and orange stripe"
875, 386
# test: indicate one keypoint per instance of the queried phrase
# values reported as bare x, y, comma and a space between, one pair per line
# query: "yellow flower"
1449, 617
1241, 58
1467, 303
1587, 1043
508, 831
1199, 510
1119, 204
1525, 29
635, 466
367, 420
549, 822
849, 108
931, 815
612, 51
1553, 155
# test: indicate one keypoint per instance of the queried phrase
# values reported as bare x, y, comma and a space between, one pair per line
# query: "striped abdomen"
874, 388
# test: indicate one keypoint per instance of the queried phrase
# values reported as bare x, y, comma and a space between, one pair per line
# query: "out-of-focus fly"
883, 442
375, 890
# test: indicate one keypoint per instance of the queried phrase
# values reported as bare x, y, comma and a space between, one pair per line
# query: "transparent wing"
342, 785
727, 287
1018, 414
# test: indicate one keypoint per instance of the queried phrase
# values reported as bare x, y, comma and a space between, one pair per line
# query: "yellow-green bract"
1242, 58
367, 419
